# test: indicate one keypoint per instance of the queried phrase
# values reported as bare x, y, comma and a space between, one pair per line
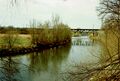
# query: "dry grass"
23, 40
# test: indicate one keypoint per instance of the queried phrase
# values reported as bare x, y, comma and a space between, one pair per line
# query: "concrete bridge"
85, 31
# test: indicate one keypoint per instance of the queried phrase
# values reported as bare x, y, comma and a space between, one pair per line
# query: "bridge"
79, 31
85, 30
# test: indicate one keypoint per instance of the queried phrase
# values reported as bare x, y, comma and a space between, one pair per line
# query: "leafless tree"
109, 69
110, 9
10, 38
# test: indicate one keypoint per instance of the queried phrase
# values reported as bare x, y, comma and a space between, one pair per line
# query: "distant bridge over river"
85, 31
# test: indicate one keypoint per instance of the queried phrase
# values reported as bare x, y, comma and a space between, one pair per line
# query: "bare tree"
110, 9
109, 69
10, 37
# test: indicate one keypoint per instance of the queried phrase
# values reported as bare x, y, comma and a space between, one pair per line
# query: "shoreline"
26, 50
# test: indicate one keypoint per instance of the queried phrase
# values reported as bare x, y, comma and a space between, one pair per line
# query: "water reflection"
47, 64
82, 41
9, 70
41, 66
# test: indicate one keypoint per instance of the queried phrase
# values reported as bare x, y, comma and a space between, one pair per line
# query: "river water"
49, 65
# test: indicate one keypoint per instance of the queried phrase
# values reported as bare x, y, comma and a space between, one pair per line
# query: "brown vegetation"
41, 36
55, 33
108, 68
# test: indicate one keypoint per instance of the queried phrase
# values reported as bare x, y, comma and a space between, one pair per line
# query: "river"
49, 65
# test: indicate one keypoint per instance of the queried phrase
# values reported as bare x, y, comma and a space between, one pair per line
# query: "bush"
50, 34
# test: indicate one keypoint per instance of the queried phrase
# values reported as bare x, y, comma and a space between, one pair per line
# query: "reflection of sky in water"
83, 53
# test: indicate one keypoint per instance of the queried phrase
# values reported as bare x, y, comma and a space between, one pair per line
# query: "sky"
75, 13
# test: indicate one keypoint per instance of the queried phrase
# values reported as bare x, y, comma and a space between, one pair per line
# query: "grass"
21, 41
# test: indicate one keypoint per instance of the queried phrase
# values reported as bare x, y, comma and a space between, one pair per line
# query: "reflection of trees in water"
8, 70
51, 58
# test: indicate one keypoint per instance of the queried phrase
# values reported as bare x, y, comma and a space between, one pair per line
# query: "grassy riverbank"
46, 35
23, 40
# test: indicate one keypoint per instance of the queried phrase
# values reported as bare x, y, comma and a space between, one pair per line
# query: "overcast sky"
75, 13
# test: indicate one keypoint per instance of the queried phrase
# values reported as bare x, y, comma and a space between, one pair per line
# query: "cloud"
76, 13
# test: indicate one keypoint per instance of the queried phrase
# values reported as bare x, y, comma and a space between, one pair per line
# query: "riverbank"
25, 50
41, 36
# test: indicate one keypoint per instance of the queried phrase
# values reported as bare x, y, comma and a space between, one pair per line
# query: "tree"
109, 68
110, 9
10, 37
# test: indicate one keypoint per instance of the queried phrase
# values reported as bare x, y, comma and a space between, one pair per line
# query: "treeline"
4, 29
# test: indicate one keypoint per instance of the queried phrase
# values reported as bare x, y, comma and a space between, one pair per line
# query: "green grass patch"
20, 41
